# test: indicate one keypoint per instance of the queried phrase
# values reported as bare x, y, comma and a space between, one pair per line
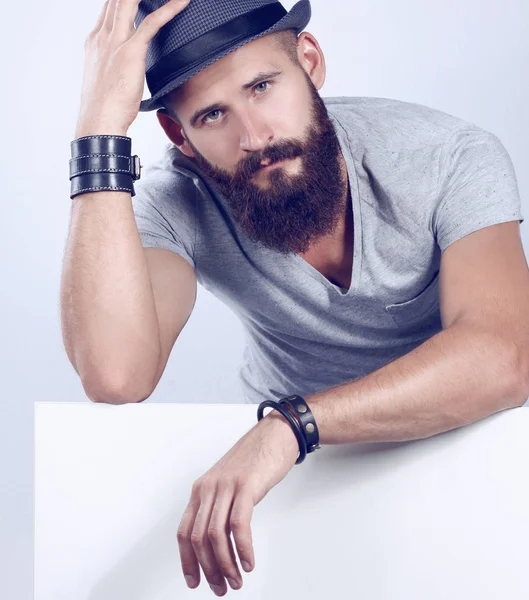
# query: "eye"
262, 83
205, 118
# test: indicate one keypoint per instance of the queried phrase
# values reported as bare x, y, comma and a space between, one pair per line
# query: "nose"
256, 133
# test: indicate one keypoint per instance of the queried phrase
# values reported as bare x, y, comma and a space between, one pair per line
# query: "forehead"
234, 69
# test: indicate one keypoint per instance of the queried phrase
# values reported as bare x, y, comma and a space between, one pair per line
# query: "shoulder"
167, 183
385, 124
170, 172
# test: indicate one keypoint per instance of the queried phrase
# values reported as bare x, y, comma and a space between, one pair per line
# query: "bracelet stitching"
96, 155
106, 170
90, 189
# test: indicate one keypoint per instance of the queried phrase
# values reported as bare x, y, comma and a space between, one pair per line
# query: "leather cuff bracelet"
103, 163
298, 414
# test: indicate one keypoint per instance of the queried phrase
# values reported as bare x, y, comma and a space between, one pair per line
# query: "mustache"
280, 151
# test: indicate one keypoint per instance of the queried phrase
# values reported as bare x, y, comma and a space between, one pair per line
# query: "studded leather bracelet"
297, 412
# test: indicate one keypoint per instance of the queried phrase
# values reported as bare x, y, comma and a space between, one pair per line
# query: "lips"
271, 165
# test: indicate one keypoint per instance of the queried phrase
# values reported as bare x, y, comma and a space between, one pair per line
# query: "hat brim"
297, 18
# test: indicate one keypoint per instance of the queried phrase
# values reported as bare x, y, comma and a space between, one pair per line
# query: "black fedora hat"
205, 31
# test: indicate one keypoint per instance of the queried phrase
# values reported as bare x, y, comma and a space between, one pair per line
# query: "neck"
345, 216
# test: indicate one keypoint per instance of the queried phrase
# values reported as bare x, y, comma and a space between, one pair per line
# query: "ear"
174, 132
311, 58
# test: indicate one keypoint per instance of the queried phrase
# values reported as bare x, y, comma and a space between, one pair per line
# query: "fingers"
117, 17
101, 18
108, 21
195, 545
202, 546
219, 534
188, 558
124, 16
157, 19
213, 512
240, 524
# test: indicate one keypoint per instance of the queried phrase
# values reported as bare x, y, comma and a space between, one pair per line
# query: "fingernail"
233, 583
216, 588
190, 580
246, 565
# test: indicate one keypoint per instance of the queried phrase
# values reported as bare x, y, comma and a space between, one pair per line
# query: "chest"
334, 262
333, 256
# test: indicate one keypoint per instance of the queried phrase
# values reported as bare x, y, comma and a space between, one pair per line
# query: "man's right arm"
122, 305
121, 308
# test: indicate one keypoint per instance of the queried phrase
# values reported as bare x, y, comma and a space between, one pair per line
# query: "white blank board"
440, 518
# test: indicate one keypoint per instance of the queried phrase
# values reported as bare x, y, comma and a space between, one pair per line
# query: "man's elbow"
523, 394
115, 394
506, 371
522, 389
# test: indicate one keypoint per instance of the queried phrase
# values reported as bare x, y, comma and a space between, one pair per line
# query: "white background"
439, 518
466, 58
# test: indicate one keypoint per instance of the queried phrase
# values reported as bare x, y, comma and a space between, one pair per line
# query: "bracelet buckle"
135, 167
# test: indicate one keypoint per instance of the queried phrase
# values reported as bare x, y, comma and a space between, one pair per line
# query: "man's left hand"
222, 501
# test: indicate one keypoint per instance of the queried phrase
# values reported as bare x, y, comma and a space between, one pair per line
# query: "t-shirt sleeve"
478, 186
164, 209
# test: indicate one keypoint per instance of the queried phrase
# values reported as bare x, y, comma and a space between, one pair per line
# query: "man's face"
279, 121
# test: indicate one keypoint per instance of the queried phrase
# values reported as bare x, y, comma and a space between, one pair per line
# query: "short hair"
286, 40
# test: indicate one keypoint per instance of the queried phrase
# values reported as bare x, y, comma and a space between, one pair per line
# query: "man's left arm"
476, 366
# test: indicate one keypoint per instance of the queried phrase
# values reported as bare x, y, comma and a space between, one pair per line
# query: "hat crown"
199, 17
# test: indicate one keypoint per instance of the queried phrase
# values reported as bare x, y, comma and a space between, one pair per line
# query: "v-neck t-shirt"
419, 179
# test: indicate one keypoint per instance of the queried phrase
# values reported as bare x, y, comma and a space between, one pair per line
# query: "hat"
205, 31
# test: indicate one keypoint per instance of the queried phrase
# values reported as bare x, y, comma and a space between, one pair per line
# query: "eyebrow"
257, 79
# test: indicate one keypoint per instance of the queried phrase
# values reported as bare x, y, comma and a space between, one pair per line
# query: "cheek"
288, 113
219, 149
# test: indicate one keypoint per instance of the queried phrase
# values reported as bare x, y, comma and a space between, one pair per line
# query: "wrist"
282, 428
88, 130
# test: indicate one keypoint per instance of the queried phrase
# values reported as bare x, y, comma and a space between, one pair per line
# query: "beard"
291, 211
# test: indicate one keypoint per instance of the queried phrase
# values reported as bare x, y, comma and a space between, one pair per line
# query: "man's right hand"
115, 64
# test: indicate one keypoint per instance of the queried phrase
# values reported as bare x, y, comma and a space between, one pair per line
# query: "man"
370, 247
333, 276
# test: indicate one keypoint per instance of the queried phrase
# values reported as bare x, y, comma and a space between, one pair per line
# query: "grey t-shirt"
420, 179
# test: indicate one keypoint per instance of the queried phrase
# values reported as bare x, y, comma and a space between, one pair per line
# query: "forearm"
456, 377
109, 322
